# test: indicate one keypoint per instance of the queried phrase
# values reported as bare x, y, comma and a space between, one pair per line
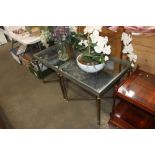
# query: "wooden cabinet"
135, 97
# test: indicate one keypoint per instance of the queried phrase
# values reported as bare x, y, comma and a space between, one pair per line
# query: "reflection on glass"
126, 92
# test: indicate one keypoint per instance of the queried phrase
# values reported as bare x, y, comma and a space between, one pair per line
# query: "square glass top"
96, 83
49, 57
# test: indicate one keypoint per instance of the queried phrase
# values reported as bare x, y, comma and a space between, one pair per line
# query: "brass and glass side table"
97, 83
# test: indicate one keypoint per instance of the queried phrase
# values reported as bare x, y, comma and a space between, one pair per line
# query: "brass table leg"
63, 87
98, 104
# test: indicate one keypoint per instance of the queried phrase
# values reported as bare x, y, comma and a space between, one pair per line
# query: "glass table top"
96, 83
140, 88
49, 57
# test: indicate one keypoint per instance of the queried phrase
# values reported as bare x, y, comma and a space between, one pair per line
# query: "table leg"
98, 104
63, 87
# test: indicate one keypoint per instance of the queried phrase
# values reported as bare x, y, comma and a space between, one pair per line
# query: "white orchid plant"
93, 46
96, 48
128, 48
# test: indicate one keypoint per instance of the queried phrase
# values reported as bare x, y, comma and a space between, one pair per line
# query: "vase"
62, 53
89, 68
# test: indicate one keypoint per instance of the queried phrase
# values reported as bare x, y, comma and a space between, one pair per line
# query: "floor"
28, 103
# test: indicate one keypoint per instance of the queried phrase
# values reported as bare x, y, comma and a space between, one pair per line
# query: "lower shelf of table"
129, 116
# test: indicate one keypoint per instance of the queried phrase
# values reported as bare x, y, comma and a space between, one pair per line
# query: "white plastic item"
2, 38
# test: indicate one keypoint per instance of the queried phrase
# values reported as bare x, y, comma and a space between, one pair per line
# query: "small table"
136, 108
97, 83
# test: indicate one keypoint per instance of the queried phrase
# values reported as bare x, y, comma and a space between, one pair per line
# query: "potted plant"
94, 49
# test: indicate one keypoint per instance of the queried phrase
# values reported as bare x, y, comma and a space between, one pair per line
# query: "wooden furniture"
136, 107
97, 84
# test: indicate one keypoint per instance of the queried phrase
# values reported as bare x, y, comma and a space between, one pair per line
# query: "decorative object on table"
95, 49
128, 48
60, 33
62, 52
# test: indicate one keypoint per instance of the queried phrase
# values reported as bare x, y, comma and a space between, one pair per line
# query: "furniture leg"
114, 103
98, 104
39, 46
63, 87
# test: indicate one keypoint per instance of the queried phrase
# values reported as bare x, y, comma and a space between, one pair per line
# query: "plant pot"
89, 68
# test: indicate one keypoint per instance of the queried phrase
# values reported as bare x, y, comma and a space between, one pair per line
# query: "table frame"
63, 78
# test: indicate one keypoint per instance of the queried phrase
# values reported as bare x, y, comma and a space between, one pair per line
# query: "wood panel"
144, 46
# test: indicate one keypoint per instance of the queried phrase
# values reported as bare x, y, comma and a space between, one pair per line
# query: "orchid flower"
128, 48
126, 38
132, 57
107, 49
94, 36
106, 58
102, 41
73, 29
85, 42
91, 29
98, 49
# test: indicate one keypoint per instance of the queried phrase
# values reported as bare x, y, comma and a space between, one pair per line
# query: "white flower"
96, 33
132, 57
88, 29
63, 37
98, 49
106, 58
85, 42
94, 36
128, 48
132, 65
126, 38
80, 43
73, 29
91, 29
107, 49
102, 41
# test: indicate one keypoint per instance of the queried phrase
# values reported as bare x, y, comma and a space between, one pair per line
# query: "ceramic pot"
89, 68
